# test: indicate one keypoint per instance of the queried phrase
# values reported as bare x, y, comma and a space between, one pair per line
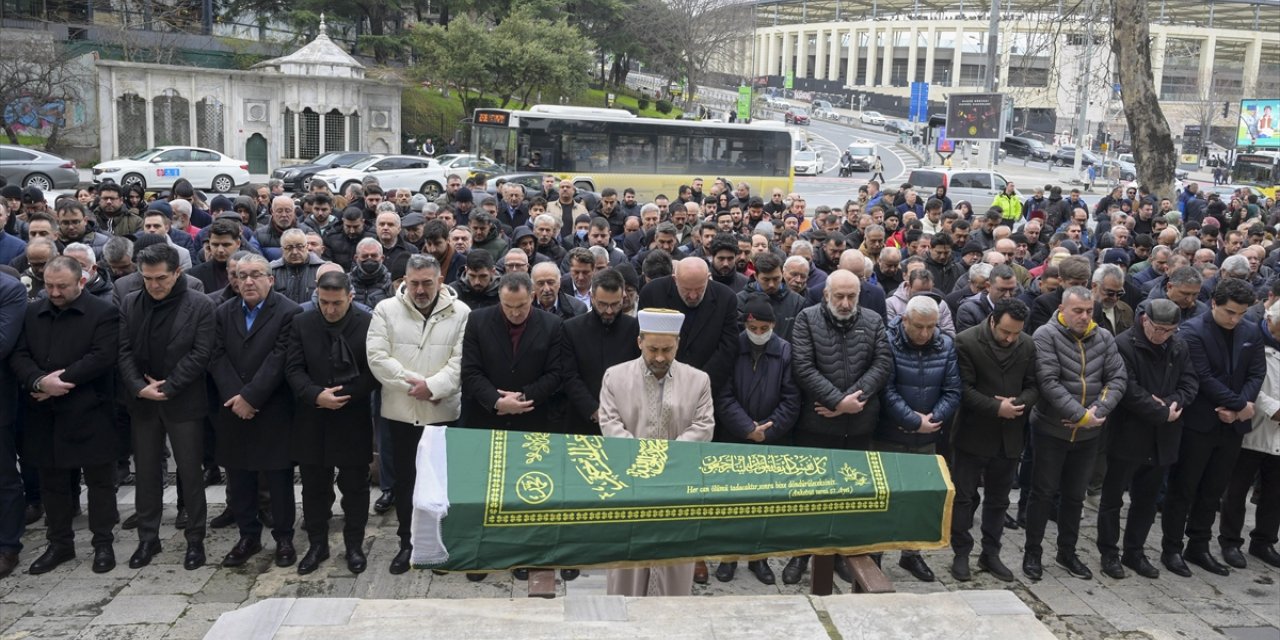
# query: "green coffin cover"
550, 500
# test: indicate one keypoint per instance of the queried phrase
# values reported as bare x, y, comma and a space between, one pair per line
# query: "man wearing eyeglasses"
113, 214
295, 271
73, 226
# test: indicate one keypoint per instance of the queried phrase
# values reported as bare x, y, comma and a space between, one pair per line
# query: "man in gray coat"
841, 360
1082, 379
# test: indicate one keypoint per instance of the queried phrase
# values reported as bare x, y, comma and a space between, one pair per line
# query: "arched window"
308, 134
353, 131
209, 123
335, 131
131, 124
171, 115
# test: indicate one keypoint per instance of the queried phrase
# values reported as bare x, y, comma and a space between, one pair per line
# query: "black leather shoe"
724, 572
476, 577
130, 523
1175, 564
762, 572
311, 561
241, 553
1074, 566
842, 569
400, 563
1010, 522
1112, 568
286, 555
1206, 561
915, 566
143, 555
223, 520
960, 569
795, 569
993, 565
1141, 566
34, 513
182, 520
1233, 557
1031, 567
569, 575
212, 476
194, 558
1266, 553
385, 502
356, 562
520, 574
8, 562
104, 559
50, 559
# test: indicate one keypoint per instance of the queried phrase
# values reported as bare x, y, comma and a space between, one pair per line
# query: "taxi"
160, 167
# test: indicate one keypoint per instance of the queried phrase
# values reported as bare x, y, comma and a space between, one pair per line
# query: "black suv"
1029, 148
297, 178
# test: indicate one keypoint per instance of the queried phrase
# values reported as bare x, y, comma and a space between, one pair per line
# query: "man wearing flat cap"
656, 397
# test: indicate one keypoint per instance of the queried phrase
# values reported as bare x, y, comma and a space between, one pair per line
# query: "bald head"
692, 275
328, 267
853, 261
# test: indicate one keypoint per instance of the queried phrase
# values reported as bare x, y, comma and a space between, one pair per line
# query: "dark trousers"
30, 475
404, 453
60, 504
996, 475
1025, 467
384, 445
1143, 482
1196, 483
1267, 521
317, 502
1060, 468
148, 460
242, 499
832, 441
13, 504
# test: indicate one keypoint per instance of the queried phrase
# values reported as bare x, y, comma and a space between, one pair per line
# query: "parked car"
298, 177
1029, 148
1125, 170
160, 167
871, 118
1065, 156
470, 165
806, 163
415, 173
897, 125
32, 168
796, 115
978, 186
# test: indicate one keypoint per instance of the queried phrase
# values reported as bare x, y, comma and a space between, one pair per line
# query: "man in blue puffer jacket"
922, 394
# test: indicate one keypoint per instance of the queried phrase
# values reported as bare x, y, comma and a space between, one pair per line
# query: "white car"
470, 163
415, 173
872, 117
160, 167
806, 163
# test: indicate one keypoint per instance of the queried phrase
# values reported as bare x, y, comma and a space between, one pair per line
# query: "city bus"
1259, 169
617, 149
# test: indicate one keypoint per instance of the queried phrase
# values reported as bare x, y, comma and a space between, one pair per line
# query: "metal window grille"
308, 134
290, 135
353, 125
335, 129
131, 124
209, 129
172, 119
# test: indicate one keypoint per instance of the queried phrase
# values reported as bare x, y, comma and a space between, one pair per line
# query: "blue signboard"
918, 110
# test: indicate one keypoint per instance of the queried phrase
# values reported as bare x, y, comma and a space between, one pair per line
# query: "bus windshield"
1258, 170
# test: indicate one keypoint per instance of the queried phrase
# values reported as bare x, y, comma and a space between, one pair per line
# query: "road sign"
789, 81
744, 104
918, 110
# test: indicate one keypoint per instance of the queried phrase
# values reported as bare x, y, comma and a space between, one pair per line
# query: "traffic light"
1226, 109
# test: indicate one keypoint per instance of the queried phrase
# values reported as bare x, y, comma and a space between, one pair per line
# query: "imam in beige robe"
634, 404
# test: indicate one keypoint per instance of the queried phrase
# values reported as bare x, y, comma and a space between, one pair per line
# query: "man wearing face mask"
761, 402
786, 304
370, 278
595, 341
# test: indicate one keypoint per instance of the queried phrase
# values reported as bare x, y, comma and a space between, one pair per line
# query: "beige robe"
634, 405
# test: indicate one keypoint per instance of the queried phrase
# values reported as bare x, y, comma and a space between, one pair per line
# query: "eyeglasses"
252, 275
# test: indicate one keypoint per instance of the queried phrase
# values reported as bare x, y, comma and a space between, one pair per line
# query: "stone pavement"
165, 601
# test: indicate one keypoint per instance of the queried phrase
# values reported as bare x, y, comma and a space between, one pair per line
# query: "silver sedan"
32, 168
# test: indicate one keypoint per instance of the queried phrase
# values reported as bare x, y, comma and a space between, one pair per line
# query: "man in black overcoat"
65, 362
254, 422
709, 335
595, 341
328, 372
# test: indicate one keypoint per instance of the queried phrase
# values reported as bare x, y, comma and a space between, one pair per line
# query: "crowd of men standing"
1131, 347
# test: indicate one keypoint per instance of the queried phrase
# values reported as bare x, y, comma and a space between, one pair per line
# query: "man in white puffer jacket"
1259, 455
415, 351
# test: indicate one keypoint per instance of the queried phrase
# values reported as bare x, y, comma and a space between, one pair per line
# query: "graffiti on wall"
31, 114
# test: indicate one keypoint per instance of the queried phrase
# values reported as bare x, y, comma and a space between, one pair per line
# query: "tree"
39, 73
696, 36
1153, 152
